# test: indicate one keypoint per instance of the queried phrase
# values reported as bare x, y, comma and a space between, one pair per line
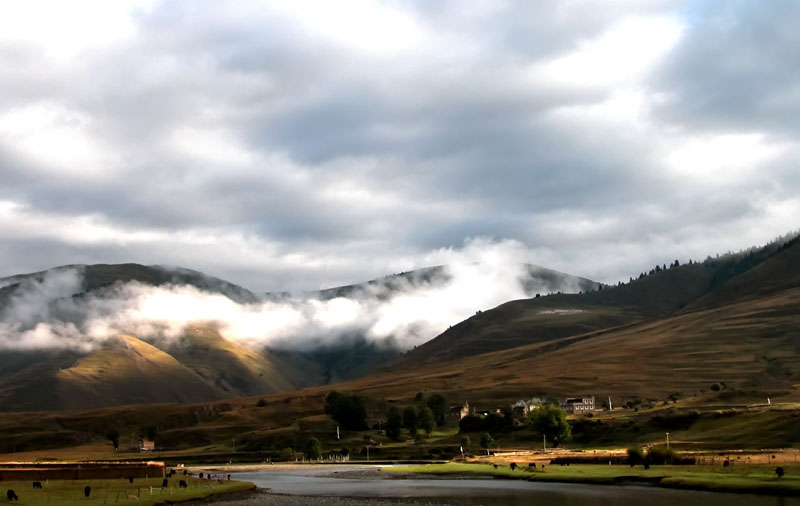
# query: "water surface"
494, 492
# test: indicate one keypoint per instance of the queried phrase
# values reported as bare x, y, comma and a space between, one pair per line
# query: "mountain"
722, 335
197, 365
533, 279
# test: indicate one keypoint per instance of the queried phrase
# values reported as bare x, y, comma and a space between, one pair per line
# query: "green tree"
348, 409
313, 449
486, 442
410, 419
550, 421
394, 423
426, 420
113, 436
438, 405
287, 454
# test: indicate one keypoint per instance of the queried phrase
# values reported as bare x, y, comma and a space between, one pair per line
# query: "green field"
740, 478
141, 492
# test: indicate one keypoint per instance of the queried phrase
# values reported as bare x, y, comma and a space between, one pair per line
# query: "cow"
37, 484
165, 483
87, 491
229, 477
11, 495
185, 472
130, 479
201, 476
182, 484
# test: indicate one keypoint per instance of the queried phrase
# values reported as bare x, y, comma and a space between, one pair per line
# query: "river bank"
733, 479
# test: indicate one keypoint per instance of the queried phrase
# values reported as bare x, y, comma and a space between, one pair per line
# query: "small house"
577, 405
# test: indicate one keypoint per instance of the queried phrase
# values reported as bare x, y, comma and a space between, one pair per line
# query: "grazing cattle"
513, 466
229, 477
201, 476
11, 495
532, 464
165, 483
182, 484
495, 466
185, 472
130, 479
37, 484
87, 491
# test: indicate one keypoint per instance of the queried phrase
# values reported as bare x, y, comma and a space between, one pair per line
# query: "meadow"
759, 479
142, 492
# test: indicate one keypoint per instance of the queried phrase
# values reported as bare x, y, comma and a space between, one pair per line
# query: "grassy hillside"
755, 273
542, 319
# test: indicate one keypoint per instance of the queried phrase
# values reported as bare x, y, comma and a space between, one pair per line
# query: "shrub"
261, 403
660, 455
779, 471
635, 456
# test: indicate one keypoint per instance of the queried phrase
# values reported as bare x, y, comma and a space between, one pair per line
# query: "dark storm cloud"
292, 145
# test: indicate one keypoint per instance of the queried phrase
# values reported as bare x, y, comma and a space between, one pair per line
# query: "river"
366, 482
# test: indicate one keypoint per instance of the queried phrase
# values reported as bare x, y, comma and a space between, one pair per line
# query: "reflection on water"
492, 492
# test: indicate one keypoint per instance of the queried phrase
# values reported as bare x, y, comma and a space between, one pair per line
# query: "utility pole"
367, 453
337, 432
544, 443
667, 440
610, 407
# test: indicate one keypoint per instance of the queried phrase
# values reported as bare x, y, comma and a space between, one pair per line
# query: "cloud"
53, 312
301, 145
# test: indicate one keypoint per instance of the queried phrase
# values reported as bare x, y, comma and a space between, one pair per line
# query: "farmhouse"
577, 405
522, 407
457, 412
143, 445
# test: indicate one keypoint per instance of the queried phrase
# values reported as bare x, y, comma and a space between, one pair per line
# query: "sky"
297, 145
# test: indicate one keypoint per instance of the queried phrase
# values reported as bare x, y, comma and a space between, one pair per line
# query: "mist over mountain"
79, 329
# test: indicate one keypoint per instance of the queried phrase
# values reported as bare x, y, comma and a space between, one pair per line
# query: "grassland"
141, 492
740, 478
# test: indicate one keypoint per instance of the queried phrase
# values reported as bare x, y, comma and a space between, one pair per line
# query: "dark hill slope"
779, 271
540, 319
